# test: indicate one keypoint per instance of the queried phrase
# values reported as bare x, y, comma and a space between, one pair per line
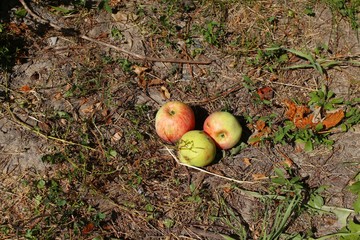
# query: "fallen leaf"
257, 136
305, 122
300, 115
260, 125
165, 92
25, 88
155, 81
288, 162
291, 111
333, 118
247, 161
227, 189
139, 70
88, 228
142, 82
265, 93
117, 136
259, 176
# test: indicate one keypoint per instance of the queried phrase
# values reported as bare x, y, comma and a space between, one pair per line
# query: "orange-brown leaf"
332, 119
247, 161
260, 125
259, 176
266, 93
25, 88
290, 113
305, 122
88, 228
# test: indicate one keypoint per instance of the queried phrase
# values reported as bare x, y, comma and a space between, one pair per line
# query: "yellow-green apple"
173, 120
224, 128
196, 148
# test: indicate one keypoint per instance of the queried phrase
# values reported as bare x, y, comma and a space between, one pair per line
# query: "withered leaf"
247, 161
259, 176
25, 88
165, 92
333, 118
139, 70
265, 93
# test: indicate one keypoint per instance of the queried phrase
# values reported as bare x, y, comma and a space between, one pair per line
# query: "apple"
224, 128
196, 148
173, 120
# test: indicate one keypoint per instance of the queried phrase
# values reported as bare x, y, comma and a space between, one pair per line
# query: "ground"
81, 82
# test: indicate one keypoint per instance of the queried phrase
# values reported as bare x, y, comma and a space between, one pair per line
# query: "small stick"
26, 126
207, 172
134, 55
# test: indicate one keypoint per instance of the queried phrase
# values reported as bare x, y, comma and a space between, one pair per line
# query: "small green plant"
325, 99
213, 33
195, 197
347, 9
116, 34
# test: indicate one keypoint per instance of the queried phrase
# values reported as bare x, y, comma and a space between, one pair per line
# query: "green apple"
224, 128
196, 148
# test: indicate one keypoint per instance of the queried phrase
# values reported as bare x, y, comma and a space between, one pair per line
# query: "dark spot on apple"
172, 112
222, 135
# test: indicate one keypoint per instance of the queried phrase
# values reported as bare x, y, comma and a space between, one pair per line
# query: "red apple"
224, 128
173, 120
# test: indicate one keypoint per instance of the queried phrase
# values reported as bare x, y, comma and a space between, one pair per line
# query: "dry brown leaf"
259, 176
139, 70
117, 136
333, 118
247, 161
265, 93
256, 137
288, 162
305, 122
25, 88
142, 82
155, 81
88, 228
165, 92
291, 111
260, 125
300, 114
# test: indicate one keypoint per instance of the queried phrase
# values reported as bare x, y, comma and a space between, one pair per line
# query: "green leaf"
168, 222
337, 100
41, 184
330, 94
62, 10
355, 187
319, 127
279, 173
354, 227
316, 201
21, 12
301, 54
356, 205
342, 214
308, 146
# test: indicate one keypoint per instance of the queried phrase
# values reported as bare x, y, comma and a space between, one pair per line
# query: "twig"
134, 55
207, 172
26, 126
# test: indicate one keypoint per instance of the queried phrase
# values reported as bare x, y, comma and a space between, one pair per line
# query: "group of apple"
175, 124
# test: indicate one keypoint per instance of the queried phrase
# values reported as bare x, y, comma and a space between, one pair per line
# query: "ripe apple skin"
173, 120
196, 148
224, 128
